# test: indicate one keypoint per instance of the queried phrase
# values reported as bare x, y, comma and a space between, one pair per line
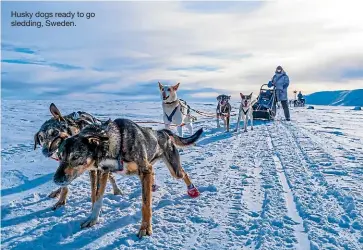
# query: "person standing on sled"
281, 82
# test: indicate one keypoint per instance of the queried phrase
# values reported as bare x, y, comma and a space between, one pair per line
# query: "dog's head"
168, 93
53, 132
223, 99
246, 100
80, 153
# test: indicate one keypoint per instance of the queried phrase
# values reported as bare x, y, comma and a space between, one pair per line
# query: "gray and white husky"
245, 111
175, 111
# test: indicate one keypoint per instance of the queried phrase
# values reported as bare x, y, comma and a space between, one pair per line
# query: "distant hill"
337, 98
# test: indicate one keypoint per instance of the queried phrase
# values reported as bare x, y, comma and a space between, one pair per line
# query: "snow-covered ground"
295, 185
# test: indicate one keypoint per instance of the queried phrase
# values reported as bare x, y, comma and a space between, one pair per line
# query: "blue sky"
210, 47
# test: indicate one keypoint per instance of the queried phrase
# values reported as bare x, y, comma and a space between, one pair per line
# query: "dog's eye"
55, 133
168, 89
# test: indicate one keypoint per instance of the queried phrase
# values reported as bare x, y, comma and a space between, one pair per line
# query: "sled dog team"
176, 111
80, 142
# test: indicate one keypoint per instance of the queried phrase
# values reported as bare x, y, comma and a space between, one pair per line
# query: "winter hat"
279, 68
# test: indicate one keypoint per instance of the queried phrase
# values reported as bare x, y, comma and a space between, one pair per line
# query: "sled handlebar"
267, 87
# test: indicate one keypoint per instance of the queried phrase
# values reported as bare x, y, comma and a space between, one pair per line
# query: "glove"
270, 84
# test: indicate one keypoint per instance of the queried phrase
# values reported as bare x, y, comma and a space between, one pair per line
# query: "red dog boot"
193, 191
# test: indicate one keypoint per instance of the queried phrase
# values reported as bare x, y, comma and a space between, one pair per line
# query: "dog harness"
170, 117
223, 109
120, 165
245, 112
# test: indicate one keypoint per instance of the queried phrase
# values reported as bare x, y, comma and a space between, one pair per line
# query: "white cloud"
315, 41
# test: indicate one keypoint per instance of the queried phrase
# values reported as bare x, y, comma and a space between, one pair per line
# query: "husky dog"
124, 147
175, 110
57, 129
246, 111
224, 111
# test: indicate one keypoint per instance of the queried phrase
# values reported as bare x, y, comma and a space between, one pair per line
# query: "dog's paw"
145, 231
193, 192
117, 192
58, 205
89, 222
55, 193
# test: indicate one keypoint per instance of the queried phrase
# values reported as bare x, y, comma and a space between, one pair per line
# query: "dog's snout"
60, 177
60, 180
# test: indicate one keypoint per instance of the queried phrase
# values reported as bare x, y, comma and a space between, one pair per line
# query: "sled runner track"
275, 229
297, 222
327, 221
329, 167
347, 169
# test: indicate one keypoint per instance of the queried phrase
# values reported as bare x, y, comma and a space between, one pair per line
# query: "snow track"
294, 185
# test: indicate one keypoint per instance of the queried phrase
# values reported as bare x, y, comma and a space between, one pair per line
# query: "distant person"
301, 99
281, 82
300, 96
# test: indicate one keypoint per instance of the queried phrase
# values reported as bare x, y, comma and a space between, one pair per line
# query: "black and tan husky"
57, 129
223, 111
122, 146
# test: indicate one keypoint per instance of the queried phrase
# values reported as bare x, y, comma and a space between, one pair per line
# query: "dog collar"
171, 102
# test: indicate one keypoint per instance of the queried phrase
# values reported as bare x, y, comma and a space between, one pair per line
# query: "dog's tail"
184, 141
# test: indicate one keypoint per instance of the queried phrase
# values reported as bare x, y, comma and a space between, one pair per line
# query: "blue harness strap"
120, 166
170, 117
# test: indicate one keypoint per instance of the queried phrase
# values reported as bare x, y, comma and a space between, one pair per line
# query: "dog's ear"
36, 140
176, 86
242, 96
251, 94
160, 86
106, 123
55, 112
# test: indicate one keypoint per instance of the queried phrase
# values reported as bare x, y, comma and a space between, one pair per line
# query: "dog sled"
263, 108
299, 102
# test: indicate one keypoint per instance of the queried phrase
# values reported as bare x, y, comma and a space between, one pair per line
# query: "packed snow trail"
293, 185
